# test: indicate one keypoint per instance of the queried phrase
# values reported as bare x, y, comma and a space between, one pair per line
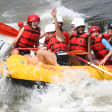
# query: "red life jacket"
98, 48
79, 42
55, 45
46, 40
66, 35
106, 36
108, 62
29, 38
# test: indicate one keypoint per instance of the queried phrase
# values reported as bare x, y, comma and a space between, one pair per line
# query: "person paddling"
49, 30
100, 46
60, 24
57, 42
79, 38
29, 35
109, 33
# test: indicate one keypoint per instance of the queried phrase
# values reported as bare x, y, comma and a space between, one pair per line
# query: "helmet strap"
30, 24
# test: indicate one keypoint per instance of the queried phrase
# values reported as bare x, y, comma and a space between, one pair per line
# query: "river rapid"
86, 94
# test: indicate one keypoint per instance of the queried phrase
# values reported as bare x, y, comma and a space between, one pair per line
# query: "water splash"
84, 94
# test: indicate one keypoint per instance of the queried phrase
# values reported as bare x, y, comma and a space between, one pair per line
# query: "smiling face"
80, 29
95, 33
50, 34
34, 24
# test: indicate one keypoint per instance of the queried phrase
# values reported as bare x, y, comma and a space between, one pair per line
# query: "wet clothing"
66, 35
62, 59
29, 39
101, 47
79, 42
57, 47
106, 36
98, 48
23, 52
107, 45
46, 40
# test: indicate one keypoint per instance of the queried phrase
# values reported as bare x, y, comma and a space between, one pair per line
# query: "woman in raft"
43, 56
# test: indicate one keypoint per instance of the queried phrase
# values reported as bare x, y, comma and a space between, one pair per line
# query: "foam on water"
87, 95
82, 95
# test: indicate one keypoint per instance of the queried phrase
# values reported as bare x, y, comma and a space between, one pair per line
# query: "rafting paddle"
78, 52
8, 30
93, 65
26, 48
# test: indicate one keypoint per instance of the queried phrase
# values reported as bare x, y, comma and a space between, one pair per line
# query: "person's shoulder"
86, 34
26, 26
64, 32
104, 41
106, 36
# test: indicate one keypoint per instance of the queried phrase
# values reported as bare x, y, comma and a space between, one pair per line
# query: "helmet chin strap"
79, 33
30, 24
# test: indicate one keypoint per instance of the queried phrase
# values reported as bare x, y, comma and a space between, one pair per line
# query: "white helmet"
59, 19
50, 28
80, 22
74, 21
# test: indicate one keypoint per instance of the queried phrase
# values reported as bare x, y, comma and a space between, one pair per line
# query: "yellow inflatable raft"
19, 68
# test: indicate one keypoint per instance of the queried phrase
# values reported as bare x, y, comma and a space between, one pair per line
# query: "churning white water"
82, 95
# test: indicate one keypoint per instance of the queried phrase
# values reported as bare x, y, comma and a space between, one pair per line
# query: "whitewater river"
85, 95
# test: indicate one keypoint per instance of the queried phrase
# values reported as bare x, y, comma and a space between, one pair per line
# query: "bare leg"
51, 57
46, 57
15, 52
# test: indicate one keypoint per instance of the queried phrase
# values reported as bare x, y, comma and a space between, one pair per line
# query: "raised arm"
59, 35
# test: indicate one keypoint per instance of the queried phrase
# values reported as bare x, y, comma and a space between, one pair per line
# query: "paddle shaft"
74, 52
93, 65
26, 48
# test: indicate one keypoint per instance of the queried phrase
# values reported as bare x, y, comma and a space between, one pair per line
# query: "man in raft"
57, 42
108, 35
60, 24
29, 35
100, 46
79, 38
